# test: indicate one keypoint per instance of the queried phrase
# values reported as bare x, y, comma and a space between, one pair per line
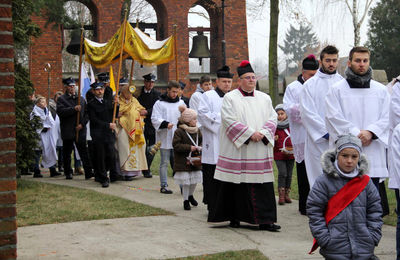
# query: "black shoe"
193, 201
128, 178
105, 184
68, 176
88, 176
147, 174
234, 224
186, 205
270, 227
165, 190
37, 174
114, 179
54, 173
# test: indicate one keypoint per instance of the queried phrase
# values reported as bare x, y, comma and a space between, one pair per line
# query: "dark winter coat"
278, 154
354, 232
147, 100
101, 115
67, 114
182, 145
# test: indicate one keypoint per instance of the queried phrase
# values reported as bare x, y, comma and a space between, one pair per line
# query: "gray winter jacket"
354, 232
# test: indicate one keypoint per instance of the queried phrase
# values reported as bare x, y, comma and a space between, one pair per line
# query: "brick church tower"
107, 19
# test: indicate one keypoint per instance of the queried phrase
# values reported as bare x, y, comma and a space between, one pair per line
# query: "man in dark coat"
101, 130
67, 109
147, 98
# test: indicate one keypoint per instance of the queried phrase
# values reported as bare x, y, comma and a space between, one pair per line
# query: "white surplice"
291, 104
394, 121
209, 116
165, 111
312, 110
48, 139
241, 117
394, 159
349, 110
195, 100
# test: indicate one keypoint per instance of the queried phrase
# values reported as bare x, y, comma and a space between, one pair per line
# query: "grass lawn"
41, 203
391, 219
231, 255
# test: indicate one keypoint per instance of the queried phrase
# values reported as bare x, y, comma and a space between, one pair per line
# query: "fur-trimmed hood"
328, 164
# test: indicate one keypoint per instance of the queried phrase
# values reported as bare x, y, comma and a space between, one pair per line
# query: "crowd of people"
342, 131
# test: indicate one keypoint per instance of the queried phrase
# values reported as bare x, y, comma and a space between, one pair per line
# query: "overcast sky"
332, 24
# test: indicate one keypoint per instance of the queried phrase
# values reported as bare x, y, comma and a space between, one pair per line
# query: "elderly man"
67, 109
209, 114
244, 166
291, 104
148, 97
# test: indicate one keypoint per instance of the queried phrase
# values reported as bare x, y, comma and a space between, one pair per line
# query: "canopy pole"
120, 63
176, 53
79, 83
131, 75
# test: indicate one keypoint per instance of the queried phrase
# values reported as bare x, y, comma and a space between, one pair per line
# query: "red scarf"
342, 199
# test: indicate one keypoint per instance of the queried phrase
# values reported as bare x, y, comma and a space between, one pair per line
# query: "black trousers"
150, 140
303, 186
68, 146
210, 185
104, 156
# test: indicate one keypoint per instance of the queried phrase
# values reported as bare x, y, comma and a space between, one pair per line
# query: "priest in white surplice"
244, 167
360, 106
291, 104
312, 110
209, 116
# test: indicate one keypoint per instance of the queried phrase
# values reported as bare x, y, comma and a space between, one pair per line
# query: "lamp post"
47, 68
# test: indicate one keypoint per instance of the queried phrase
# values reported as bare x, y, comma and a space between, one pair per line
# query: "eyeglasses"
249, 77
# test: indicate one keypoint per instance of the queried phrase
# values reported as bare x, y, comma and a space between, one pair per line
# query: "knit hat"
244, 67
279, 107
187, 114
224, 72
348, 141
310, 63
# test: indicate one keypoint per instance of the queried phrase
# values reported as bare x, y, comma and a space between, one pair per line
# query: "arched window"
79, 15
198, 23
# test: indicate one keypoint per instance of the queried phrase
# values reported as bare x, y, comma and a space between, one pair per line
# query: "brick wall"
106, 16
8, 226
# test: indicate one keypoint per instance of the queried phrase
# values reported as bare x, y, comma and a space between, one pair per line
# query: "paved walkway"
186, 233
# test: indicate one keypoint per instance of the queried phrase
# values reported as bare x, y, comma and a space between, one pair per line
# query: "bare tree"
358, 10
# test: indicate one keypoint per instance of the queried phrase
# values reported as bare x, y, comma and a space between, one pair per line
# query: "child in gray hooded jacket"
354, 229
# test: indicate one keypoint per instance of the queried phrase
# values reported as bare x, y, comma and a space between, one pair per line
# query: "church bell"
200, 48
74, 45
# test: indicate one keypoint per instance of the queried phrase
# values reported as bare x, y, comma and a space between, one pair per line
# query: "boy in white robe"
291, 104
312, 110
244, 167
209, 116
164, 119
205, 84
